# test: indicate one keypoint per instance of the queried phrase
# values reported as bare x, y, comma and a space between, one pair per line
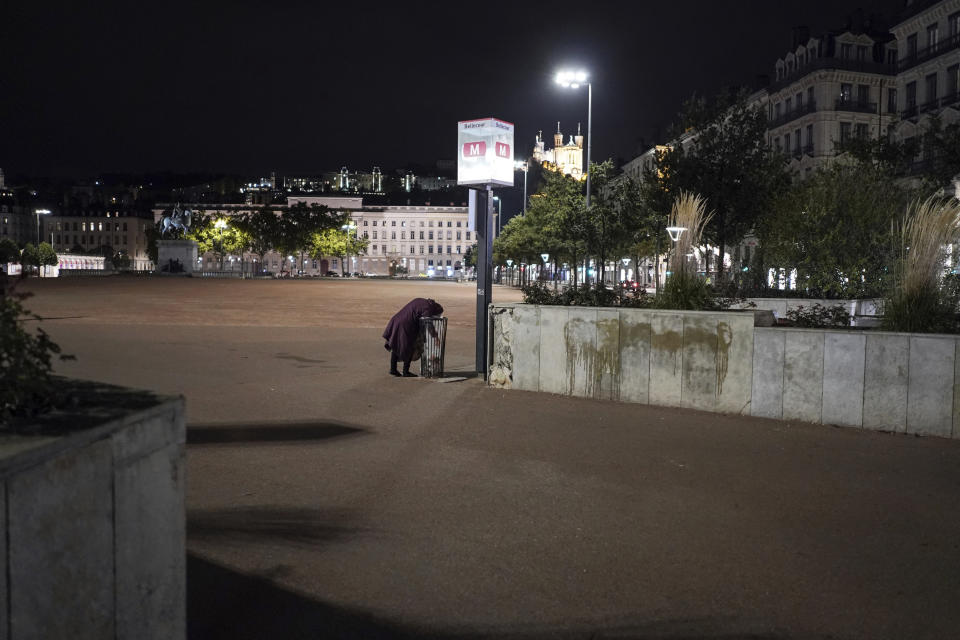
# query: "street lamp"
39, 212
523, 166
499, 211
546, 257
220, 225
510, 267
675, 233
574, 80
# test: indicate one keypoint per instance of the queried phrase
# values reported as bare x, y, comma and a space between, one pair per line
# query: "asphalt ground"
327, 499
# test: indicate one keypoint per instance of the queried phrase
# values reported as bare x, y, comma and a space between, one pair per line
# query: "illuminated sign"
485, 152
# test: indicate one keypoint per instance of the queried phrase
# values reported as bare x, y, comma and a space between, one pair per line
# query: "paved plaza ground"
327, 499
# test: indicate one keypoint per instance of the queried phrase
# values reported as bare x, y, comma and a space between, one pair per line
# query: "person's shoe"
407, 374
394, 372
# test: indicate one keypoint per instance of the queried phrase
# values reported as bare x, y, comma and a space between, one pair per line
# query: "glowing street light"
676, 232
574, 80
40, 212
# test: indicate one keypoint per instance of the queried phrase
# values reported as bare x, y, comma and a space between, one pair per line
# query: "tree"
9, 252
835, 229
218, 236
337, 243
725, 158
261, 230
29, 257
46, 256
615, 217
300, 223
556, 223
121, 260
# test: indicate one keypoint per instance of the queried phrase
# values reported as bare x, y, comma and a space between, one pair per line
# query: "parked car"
332, 274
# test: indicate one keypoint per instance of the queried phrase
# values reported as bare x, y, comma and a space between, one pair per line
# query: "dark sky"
251, 87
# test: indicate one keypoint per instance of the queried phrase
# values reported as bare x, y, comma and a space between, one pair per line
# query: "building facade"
83, 231
829, 89
928, 70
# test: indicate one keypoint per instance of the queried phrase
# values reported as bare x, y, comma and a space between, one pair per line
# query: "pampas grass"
919, 302
689, 210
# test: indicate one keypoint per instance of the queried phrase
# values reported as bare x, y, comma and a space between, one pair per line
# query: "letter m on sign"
502, 150
475, 149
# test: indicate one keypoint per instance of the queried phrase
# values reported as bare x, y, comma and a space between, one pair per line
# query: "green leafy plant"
26, 385
819, 316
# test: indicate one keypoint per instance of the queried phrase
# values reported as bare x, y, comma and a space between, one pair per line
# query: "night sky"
250, 87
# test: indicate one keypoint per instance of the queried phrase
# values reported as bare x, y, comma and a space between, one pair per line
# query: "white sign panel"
485, 152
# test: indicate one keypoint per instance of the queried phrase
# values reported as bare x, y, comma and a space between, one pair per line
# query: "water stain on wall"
598, 361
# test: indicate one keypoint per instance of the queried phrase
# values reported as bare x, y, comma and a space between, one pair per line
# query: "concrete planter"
92, 523
725, 362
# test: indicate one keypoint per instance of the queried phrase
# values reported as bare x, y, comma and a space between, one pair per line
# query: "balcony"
847, 104
929, 53
808, 149
933, 105
817, 64
793, 114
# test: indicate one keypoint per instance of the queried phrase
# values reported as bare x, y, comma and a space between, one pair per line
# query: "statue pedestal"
176, 257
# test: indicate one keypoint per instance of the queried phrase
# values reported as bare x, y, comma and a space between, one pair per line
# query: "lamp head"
571, 79
675, 232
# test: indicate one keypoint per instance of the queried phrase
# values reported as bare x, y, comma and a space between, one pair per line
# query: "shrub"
26, 386
923, 300
819, 316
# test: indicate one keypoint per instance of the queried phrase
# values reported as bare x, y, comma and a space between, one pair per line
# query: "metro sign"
475, 165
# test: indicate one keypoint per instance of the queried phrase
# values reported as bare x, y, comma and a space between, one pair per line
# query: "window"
931, 87
430, 224
911, 95
124, 226
421, 249
786, 142
413, 249
365, 222
449, 235
810, 138
448, 262
458, 223
421, 235
403, 235
430, 249
953, 24
891, 100
468, 235
861, 131
776, 110
458, 234
891, 56
84, 226
863, 94
393, 235
403, 223
846, 92
421, 224
933, 36
374, 234
845, 50
449, 224
799, 100
366, 235
844, 131
430, 236
459, 247
374, 223
788, 107
912, 46
953, 80
449, 249
393, 223
776, 144
796, 136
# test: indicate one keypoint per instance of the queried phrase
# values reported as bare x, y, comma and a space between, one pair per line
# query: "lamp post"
574, 80
510, 267
546, 257
38, 213
626, 263
220, 225
675, 233
523, 166
499, 209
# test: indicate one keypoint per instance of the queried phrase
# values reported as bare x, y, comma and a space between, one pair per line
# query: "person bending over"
402, 334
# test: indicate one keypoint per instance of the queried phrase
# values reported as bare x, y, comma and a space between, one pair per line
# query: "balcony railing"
793, 114
933, 105
928, 53
863, 66
846, 104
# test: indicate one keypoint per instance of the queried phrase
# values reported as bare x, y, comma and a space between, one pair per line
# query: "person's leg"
393, 364
406, 370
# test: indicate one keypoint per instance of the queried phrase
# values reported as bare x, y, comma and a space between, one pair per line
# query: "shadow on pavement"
225, 604
269, 524
269, 432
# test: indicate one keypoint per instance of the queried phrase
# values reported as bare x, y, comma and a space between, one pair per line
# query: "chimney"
801, 35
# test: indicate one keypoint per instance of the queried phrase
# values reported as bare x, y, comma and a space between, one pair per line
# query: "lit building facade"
564, 158
829, 89
928, 70
89, 230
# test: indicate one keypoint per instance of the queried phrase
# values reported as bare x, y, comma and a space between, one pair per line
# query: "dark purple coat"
403, 328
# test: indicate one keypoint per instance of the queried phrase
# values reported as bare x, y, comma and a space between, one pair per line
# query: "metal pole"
525, 169
589, 134
484, 229
38, 227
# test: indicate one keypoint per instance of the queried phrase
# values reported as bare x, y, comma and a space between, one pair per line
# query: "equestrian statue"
177, 221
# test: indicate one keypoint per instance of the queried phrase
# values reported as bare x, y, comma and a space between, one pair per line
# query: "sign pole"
484, 228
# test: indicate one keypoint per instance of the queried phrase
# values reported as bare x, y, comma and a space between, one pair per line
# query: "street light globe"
545, 256
220, 224
676, 232
509, 263
625, 261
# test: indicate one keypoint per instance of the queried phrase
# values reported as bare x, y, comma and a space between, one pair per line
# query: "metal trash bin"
431, 361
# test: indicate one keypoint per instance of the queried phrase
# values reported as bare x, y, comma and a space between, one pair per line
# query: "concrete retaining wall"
687, 359
719, 361
93, 530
